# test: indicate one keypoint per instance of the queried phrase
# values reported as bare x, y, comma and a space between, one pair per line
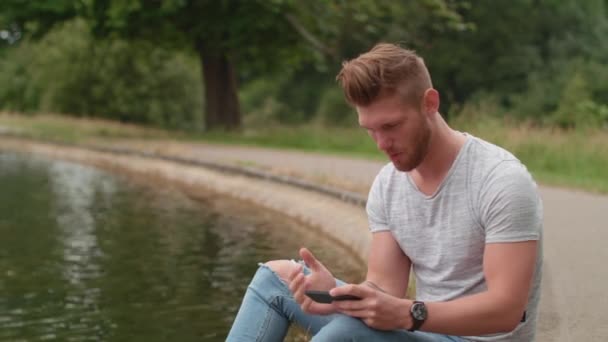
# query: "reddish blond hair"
384, 70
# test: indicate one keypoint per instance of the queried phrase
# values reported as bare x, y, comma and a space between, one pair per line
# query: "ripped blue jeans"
268, 309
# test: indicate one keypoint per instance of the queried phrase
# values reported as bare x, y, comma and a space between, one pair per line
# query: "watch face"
419, 311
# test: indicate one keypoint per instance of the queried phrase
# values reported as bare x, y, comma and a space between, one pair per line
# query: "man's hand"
319, 279
376, 309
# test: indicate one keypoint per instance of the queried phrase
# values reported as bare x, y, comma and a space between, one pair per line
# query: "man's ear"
430, 104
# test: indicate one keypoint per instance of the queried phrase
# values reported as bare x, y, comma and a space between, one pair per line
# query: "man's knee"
283, 268
343, 328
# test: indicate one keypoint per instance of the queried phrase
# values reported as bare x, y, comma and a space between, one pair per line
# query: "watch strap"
417, 323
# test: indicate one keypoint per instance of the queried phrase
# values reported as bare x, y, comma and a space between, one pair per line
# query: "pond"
87, 255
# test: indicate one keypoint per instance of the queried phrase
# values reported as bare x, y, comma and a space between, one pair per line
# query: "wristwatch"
419, 314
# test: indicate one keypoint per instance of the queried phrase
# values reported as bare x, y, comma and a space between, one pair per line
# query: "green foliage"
347, 28
293, 99
539, 61
20, 89
571, 89
35, 18
495, 55
240, 29
301, 92
334, 110
68, 72
336, 30
259, 102
577, 109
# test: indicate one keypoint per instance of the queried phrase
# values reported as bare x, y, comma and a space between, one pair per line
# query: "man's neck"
444, 147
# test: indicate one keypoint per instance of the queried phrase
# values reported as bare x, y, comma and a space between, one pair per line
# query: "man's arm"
511, 214
388, 267
508, 269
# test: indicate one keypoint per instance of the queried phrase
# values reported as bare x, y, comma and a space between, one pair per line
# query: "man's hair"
384, 70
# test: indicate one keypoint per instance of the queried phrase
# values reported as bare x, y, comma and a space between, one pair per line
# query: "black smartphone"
325, 298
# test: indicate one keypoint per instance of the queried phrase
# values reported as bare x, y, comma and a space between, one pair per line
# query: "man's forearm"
388, 267
394, 288
480, 314
373, 285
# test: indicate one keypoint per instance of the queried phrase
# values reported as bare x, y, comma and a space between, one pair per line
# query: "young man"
462, 213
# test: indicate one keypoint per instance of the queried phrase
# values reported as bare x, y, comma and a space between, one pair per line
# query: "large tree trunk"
221, 99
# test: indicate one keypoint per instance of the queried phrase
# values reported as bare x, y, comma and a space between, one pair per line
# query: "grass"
70, 129
339, 140
574, 159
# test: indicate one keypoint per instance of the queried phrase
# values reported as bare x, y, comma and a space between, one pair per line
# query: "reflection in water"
75, 189
87, 256
73, 193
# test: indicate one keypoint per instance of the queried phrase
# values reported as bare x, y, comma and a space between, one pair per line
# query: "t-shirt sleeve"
376, 209
511, 209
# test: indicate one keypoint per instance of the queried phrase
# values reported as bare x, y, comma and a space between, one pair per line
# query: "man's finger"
292, 281
356, 313
297, 287
295, 272
309, 259
356, 290
353, 305
305, 305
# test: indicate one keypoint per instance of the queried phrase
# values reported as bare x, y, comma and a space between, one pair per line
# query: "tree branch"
309, 37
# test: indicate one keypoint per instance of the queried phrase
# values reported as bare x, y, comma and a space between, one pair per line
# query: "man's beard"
410, 161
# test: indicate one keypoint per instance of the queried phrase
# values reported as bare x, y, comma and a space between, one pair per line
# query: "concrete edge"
343, 195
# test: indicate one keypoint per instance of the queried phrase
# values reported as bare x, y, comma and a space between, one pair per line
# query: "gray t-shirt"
488, 196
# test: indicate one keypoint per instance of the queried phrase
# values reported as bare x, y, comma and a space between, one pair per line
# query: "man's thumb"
309, 259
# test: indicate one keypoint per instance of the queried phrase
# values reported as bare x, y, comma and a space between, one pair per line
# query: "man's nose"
383, 141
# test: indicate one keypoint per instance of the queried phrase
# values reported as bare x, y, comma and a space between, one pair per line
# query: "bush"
333, 108
18, 92
577, 108
69, 72
259, 104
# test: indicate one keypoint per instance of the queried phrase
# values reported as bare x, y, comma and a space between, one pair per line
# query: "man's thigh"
346, 328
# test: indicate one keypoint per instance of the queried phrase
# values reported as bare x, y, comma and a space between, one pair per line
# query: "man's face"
401, 131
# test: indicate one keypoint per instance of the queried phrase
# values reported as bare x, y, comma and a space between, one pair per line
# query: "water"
90, 256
